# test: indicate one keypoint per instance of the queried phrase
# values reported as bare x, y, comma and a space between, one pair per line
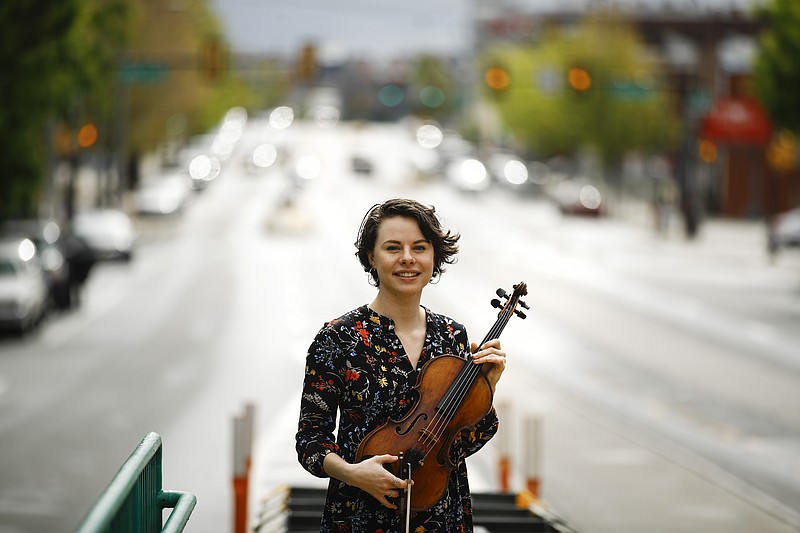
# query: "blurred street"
665, 372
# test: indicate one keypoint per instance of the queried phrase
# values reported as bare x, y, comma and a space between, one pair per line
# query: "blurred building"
723, 165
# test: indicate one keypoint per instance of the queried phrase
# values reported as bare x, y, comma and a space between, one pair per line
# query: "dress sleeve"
319, 403
475, 438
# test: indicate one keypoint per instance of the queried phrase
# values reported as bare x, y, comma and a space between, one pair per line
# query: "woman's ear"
369, 258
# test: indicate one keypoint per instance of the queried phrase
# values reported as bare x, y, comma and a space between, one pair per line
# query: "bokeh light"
265, 155
429, 136
281, 117
26, 250
391, 95
87, 135
431, 96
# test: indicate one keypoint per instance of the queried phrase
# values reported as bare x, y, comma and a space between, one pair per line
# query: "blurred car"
52, 252
109, 233
361, 165
784, 230
507, 170
23, 287
164, 195
203, 169
577, 197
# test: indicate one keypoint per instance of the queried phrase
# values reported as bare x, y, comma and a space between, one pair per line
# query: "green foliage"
178, 40
624, 108
435, 87
34, 86
777, 67
55, 58
61, 62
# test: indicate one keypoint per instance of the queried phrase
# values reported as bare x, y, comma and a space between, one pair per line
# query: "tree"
194, 92
55, 60
777, 66
435, 86
590, 86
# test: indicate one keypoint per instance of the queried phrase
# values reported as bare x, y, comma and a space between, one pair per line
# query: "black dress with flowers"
356, 366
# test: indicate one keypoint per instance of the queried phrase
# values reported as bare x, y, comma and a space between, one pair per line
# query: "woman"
364, 365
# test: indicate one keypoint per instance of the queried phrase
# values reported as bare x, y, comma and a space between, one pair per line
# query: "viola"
452, 394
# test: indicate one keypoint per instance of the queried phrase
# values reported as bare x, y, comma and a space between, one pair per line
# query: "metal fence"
134, 500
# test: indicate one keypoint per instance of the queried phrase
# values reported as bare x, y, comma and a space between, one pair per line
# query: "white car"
784, 231
109, 233
23, 287
164, 195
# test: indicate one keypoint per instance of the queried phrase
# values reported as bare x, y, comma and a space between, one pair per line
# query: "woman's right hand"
369, 475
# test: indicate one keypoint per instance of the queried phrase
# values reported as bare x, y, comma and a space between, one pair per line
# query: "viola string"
455, 395
460, 387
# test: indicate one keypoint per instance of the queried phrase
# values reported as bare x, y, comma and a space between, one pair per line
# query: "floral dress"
356, 367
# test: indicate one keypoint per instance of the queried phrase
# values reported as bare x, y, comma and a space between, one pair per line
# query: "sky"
390, 28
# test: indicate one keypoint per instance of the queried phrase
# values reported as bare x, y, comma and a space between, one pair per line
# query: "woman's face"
402, 256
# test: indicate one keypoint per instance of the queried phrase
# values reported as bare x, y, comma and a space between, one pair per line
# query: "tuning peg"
523, 304
520, 314
496, 303
501, 293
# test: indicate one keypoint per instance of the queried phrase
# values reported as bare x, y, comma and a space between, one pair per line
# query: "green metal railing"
134, 500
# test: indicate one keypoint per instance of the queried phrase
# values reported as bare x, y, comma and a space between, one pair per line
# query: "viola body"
424, 436
453, 394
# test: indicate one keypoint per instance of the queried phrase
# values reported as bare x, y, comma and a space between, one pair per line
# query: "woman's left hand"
492, 354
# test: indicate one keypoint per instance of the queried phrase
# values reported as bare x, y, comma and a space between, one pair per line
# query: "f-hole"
413, 423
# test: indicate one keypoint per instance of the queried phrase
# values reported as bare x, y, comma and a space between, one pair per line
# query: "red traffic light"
497, 78
579, 79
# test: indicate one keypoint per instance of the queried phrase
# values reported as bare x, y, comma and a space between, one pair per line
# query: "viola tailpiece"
453, 395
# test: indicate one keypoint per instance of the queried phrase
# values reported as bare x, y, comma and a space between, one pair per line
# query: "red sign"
739, 121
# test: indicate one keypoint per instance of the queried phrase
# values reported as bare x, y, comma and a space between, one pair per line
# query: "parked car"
109, 233
361, 165
163, 196
23, 287
51, 250
784, 231
576, 197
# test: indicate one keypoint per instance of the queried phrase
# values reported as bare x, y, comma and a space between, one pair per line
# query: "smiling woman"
364, 366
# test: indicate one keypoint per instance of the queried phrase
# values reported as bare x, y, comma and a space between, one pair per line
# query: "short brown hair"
445, 244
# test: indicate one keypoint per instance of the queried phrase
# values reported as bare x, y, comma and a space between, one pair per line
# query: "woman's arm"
318, 405
369, 475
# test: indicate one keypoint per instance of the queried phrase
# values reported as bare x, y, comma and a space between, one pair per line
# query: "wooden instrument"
453, 394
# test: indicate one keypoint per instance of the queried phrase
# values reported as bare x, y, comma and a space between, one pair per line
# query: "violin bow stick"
408, 500
405, 499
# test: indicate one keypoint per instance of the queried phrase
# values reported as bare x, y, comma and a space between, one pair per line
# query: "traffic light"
307, 65
579, 79
213, 59
87, 135
496, 80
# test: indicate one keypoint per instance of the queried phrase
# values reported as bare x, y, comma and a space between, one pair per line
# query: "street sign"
143, 73
739, 121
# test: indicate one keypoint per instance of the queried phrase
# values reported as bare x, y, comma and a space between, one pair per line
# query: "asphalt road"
643, 357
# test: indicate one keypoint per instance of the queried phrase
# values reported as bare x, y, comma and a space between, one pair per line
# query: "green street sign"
143, 73
629, 90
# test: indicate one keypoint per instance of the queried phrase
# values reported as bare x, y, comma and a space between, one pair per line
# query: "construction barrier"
242, 462
134, 500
